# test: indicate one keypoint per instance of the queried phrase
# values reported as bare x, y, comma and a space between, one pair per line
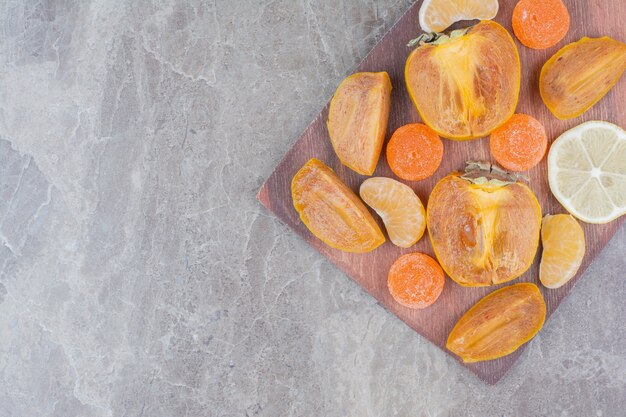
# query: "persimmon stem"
481, 169
436, 38
423, 38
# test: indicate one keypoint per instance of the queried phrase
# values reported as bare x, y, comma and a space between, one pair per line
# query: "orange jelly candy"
415, 280
414, 152
540, 24
520, 143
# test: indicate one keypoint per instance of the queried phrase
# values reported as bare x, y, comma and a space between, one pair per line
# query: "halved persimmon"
465, 84
483, 226
331, 211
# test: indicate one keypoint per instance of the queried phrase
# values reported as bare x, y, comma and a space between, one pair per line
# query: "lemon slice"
438, 15
563, 243
587, 171
399, 207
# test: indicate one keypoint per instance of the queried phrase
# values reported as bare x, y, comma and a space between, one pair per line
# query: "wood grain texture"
589, 18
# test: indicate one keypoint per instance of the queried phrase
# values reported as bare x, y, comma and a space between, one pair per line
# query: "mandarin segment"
357, 120
438, 15
498, 324
331, 211
520, 143
540, 24
466, 84
398, 206
414, 152
415, 280
563, 242
483, 231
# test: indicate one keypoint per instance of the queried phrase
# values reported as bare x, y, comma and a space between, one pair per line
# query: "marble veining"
140, 277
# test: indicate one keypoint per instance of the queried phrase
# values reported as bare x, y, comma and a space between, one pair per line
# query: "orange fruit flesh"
580, 74
467, 85
483, 233
331, 211
357, 120
438, 15
498, 324
415, 280
563, 250
398, 206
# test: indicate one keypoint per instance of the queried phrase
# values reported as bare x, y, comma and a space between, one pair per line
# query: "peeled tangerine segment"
331, 211
483, 231
563, 242
438, 15
466, 84
499, 323
587, 171
580, 74
357, 120
399, 207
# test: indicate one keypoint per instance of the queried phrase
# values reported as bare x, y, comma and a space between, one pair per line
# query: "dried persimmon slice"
498, 324
331, 210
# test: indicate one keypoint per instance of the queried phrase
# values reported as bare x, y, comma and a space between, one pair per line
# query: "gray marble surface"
140, 277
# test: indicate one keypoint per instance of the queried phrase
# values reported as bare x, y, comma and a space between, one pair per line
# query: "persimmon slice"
466, 84
499, 324
357, 120
331, 211
580, 74
415, 280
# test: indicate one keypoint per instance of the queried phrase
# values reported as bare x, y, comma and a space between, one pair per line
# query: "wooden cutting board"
588, 18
